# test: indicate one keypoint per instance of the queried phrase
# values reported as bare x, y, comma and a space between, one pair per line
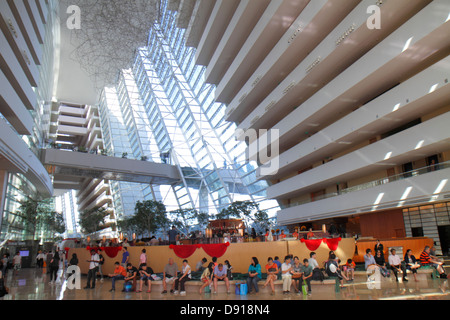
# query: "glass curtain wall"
169, 115
18, 187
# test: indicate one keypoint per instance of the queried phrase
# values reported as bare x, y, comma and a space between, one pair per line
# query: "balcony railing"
374, 183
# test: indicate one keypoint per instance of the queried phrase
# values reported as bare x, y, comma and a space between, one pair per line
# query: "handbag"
243, 289
237, 291
304, 288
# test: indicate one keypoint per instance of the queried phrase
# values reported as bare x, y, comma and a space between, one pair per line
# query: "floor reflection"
33, 284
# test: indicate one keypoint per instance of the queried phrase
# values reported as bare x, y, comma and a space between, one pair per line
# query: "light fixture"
109, 34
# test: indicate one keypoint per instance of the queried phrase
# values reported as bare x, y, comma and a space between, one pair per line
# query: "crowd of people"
377, 262
294, 272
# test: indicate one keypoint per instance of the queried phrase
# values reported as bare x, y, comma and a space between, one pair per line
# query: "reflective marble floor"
33, 284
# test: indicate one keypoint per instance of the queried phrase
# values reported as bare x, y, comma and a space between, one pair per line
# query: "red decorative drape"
332, 243
67, 251
184, 251
312, 244
110, 251
215, 249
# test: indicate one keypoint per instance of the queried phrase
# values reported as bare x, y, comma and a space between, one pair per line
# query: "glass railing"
374, 183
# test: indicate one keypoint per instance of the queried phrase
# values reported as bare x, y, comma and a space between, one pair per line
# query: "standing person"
307, 272
17, 262
173, 235
396, 265
220, 274
254, 275
62, 263
119, 274
379, 246
40, 260
286, 275
3, 288
49, 258
93, 268
125, 257
5, 264
101, 262
169, 275
184, 276
143, 257
272, 274
54, 266
206, 277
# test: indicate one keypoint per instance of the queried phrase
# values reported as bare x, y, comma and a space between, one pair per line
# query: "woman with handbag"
297, 274
254, 275
272, 274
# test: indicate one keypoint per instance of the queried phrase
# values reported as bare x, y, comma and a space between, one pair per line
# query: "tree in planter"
149, 216
247, 210
186, 218
38, 215
92, 220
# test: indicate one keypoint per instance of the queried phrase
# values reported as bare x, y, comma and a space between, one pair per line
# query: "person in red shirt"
425, 259
272, 274
119, 274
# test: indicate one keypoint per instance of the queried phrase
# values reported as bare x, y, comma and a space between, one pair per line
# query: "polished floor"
33, 284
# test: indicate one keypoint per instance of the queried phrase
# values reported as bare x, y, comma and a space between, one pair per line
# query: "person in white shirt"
185, 276
93, 267
396, 265
17, 262
286, 274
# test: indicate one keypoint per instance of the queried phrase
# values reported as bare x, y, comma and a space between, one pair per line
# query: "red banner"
110, 251
312, 244
184, 251
213, 249
332, 243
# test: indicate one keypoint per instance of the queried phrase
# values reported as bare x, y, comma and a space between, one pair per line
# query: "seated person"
426, 260
411, 263
119, 274
396, 265
272, 274
220, 274
369, 261
145, 274
131, 276
170, 275
332, 269
349, 268
207, 276
381, 263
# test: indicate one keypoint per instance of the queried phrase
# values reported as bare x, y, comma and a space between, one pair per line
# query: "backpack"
102, 260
